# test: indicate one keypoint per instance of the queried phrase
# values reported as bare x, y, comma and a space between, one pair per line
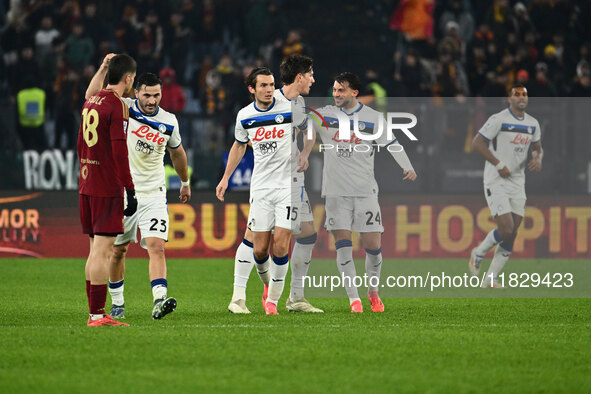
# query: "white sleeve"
298, 109
491, 128
175, 139
128, 101
240, 132
537, 133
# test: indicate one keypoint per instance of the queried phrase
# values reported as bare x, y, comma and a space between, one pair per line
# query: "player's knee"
156, 249
119, 252
506, 233
260, 254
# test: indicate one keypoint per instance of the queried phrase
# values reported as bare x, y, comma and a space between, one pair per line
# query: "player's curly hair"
294, 65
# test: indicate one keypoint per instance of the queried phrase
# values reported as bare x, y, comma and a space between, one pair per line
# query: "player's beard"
129, 91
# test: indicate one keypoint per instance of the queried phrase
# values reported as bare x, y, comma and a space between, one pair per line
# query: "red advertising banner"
46, 224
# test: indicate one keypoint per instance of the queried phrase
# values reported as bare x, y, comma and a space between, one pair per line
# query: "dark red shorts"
101, 215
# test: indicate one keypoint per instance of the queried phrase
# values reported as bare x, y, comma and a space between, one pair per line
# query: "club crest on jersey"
530, 129
361, 126
279, 118
162, 128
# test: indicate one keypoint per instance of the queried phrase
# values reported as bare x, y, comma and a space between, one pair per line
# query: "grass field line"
307, 326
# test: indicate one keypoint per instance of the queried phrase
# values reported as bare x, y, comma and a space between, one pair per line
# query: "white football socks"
373, 268
159, 288
243, 263
300, 261
346, 266
278, 273
491, 239
116, 292
498, 262
263, 269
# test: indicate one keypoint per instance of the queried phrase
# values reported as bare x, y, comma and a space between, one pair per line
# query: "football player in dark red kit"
104, 174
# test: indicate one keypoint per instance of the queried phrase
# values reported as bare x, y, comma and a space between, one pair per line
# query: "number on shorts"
155, 223
90, 120
370, 218
292, 213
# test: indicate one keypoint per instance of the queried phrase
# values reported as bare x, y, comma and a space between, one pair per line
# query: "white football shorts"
302, 211
501, 201
360, 214
151, 218
270, 208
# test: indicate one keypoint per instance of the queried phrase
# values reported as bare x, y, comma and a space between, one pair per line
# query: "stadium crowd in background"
203, 48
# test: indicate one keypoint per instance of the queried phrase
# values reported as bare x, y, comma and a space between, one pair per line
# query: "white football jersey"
509, 139
298, 120
270, 132
147, 139
349, 164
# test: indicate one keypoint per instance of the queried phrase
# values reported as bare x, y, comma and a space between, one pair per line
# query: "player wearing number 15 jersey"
104, 173
267, 124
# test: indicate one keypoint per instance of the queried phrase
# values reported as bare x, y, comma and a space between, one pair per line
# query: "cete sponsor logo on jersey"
144, 132
262, 134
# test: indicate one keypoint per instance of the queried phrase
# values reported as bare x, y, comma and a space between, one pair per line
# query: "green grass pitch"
417, 345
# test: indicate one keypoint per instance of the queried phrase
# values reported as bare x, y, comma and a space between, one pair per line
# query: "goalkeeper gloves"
131, 203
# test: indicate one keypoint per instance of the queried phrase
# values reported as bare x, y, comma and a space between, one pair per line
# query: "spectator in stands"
524, 24
173, 97
541, 86
28, 73
477, 68
582, 85
293, 44
67, 100
501, 20
127, 34
522, 77
150, 45
94, 26
216, 108
412, 78
451, 78
455, 12
178, 36
79, 48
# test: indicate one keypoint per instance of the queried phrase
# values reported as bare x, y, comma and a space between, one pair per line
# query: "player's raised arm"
236, 153
96, 83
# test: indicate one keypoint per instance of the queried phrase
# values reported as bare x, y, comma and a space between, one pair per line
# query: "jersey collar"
515, 116
357, 110
264, 110
281, 90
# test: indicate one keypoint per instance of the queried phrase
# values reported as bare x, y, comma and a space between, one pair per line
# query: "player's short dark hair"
119, 66
352, 79
251, 80
147, 79
515, 86
294, 65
